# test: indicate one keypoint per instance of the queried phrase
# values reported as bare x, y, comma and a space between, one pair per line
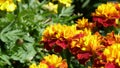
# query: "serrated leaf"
5, 58
24, 53
10, 35
66, 11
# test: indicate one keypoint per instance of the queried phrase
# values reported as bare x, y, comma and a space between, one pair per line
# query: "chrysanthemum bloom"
86, 46
106, 15
83, 23
112, 54
51, 7
57, 36
110, 39
51, 61
7, 5
109, 58
66, 2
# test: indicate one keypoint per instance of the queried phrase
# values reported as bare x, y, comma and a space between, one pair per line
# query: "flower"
58, 36
83, 23
112, 54
86, 46
51, 7
110, 39
33, 66
19, 0
106, 14
66, 2
7, 5
51, 61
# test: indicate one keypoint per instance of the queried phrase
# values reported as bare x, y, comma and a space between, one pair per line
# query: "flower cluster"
85, 43
7, 5
51, 61
110, 54
107, 14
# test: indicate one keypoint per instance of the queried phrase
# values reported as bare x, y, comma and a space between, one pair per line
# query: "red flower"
104, 21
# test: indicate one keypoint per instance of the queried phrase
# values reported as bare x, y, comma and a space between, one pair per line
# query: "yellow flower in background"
107, 10
112, 53
2, 1
7, 5
51, 7
19, 0
66, 2
81, 23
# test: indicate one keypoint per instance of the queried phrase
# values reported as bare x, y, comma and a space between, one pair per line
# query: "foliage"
22, 30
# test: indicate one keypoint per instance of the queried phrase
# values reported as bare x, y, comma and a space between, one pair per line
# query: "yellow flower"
107, 10
7, 5
60, 31
19, 0
2, 1
112, 53
91, 42
42, 65
66, 2
53, 60
70, 31
33, 66
51, 7
81, 23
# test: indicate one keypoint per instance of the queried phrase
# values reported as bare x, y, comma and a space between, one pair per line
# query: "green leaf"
85, 3
66, 11
10, 16
5, 58
7, 35
25, 52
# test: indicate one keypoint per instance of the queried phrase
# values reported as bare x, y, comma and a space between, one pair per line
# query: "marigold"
106, 14
33, 66
112, 53
51, 61
110, 39
7, 5
85, 46
66, 2
51, 7
58, 36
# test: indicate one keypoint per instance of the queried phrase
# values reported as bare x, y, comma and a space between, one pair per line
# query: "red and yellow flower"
51, 61
83, 23
85, 46
106, 14
57, 36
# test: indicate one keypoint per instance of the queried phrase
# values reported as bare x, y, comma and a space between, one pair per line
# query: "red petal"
109, 65
83, 58
62, 43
